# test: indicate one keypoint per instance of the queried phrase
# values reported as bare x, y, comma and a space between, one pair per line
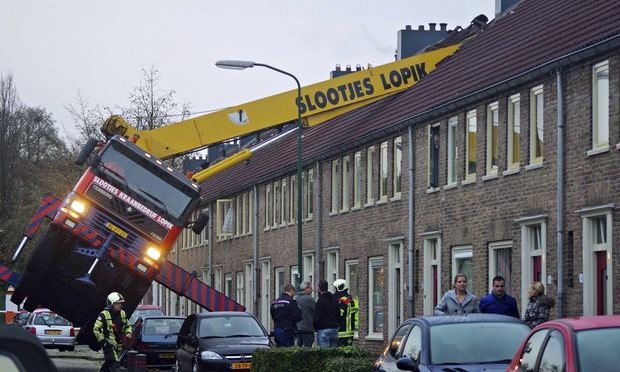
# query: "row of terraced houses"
504, 160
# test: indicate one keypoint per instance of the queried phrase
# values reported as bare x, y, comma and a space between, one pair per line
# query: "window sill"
356, 208
449, 186
395, 198
432, 190
533, 166
369, 204
374, 337
382, 201
599, 150
468, 182
344, 210
333, 213
489, 177
510, 172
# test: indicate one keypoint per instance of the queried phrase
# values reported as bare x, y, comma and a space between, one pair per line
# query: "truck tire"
31, 283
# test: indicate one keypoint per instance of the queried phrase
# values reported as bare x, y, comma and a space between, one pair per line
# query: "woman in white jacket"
458, 301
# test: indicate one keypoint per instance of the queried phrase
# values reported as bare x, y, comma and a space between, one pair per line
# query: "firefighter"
349, 309
109, 329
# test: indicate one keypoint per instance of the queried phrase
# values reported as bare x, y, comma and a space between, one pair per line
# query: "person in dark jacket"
539, 306
285, 314
305, 301
498, 301
326, 317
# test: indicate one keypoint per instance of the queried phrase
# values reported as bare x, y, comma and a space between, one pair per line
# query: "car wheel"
70, 348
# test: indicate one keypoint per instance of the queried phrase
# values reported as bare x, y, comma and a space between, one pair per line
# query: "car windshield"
139, 313
230, 326
162, 326
50, 319
597, 348
159, 189
479, 342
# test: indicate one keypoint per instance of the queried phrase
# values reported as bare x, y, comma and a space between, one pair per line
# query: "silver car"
54, 331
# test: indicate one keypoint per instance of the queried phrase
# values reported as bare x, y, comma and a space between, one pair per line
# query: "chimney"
421, 28
443, 26
432, 26
408, 27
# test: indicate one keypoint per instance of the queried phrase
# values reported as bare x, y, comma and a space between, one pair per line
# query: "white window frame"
471, 144
357, 180
279, 281
310, 196
276, 205
346, 183
284, 201
528, 225
431, 170
224, 208
589, 249
335, 187
453, 150
240, 288
383, 172
492, 158
228, 279
396, 287
432, 242
332, 257
493, 269
537, 124
268, 206
370, 180
250, 212
295, 281
514, 133
600, 108
373, 262
217, 278
397, 168
308, 262
352, 277
293, 203
460, 253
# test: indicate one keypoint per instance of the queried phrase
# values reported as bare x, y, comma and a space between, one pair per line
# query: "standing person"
459, 300
498, 301
326, 317
109, 329
539, 306
285, 314
348, 312
305, 328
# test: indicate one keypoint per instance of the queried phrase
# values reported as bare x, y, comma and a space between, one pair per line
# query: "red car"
588, 343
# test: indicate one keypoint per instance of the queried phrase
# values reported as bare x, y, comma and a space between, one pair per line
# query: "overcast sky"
55, 48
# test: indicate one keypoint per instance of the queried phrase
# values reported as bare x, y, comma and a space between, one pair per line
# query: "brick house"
504, 161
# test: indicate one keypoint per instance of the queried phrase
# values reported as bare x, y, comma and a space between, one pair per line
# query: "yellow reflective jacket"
103, 329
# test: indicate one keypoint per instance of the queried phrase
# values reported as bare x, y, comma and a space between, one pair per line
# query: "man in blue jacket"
498, 301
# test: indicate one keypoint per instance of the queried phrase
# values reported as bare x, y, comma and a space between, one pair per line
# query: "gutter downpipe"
255, 251
560, 195
410, 224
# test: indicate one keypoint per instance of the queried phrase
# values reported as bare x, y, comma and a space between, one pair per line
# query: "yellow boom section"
319, 103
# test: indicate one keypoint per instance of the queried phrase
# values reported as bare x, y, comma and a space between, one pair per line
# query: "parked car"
587, 343
222, 341
156, 337
54, 331
20, 318
472, 342
145, 310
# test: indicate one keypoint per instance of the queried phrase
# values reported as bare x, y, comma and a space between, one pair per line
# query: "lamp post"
241, 65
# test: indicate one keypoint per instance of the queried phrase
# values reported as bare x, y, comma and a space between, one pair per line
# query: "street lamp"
241, 65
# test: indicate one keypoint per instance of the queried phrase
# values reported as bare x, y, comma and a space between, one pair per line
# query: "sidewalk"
80, 352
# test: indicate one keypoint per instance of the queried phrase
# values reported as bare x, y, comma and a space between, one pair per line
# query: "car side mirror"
200, 223
86, 151
407, 364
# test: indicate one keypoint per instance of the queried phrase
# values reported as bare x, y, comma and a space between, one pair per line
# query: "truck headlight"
153, 253
78, 206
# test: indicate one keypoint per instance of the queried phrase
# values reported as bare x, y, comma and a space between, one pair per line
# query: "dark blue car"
156, 337
473, 342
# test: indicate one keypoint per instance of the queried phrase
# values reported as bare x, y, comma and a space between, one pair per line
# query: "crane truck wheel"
31, 284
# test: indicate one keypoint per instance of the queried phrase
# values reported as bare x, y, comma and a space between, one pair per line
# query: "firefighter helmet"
115, 297
341, 285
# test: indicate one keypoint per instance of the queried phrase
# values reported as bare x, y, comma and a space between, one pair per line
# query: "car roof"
432, 320
161, 317
580, 323
148, 307
219, 314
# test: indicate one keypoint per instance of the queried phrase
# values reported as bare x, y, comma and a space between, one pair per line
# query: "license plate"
53, 331
245, 365
117, 230
166, 355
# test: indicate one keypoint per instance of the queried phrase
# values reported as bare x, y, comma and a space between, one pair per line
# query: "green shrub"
298, 359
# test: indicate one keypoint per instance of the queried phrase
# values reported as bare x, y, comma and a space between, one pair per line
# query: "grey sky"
55, 48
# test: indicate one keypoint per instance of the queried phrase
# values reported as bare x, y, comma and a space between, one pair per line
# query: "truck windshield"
146, 180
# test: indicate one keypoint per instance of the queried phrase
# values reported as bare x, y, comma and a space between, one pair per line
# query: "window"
530, 351
217, 278
335, 186
284, 198
536, 125
331, 271
245, 216
492, 138
600, 106
268, 206
453, 149
293, 203
277, 205
395, 285
462, 263
413, 345
357, 180
376, 294
239, 214
395, 347
500, 263
383, 172
397, 171
228, 285
346, 187
310, 195
597, 225
250, 211
514, 132
533, 253
433, 156
553, 356
370, 189
308, 262
240, 297
351, 276
470, 151
295, 276
225, 218
432, 270
279, 282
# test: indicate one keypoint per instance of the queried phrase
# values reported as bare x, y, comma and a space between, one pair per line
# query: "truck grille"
98, 221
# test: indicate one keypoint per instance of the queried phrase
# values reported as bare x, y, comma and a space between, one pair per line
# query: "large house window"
279, 281
463, 263
500, 263
357, 180
268, 206
225, 218
250, 211
331, 271
335, 186
398, 167
308, 262
228, 285
514, 132
383, 172
310, 195
376, 294
533, 252
346, 186
470, 144
370, 188
284, 201
277, 204
217, 278
492, 138
452, 149
600, 106
536, 125
433, 156
293, 203
351, 276
240, 298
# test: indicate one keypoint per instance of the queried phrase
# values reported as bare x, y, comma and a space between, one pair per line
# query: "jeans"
305, 338
283, 337
327, 337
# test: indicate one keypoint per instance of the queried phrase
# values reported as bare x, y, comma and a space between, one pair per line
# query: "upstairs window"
398, 167
383, 167
536, 125
492, 138
600, 106
514, 132
433, 156
370, 189
357, 180
335, 186
452, 149
470, 151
